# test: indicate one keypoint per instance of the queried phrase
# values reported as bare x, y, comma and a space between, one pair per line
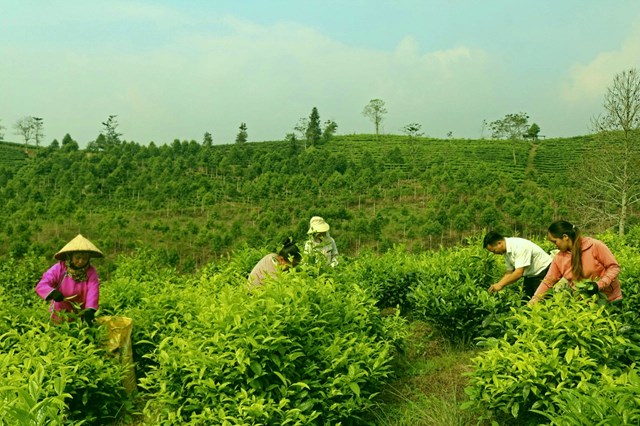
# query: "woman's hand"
55, 295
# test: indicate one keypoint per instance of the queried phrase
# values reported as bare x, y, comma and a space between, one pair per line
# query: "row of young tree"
411, 190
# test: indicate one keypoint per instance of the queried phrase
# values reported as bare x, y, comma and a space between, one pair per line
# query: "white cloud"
266, 76
589, 82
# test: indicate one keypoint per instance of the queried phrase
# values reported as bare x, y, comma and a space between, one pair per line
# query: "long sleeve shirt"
597, 262
326, 247
266, 267
85, 294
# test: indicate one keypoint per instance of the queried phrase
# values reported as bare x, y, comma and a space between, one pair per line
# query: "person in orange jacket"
580, 258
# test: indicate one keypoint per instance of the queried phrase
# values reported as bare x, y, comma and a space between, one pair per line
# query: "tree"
68, 144
38, 130
301, 128
292, 143
375, 111
25, 127
110, 131
108, 137
207, 140
512, 127
412, 130
1, 130
242, 135
313, 132
330, 128
533, 132
611, 172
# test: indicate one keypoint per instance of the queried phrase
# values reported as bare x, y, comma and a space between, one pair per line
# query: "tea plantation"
318, 345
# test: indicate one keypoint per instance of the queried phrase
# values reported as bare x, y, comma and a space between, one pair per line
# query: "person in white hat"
320, 242
72, 284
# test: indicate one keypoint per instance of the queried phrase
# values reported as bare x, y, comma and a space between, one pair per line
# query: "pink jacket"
84, 293
597, 261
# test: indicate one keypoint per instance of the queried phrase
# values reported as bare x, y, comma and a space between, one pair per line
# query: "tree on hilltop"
375, 111
242, 135
412, 130
301, 128
313, 132
27, 128
38, 130
68, 144
330, 129
512, 127
207, 140
109, 136
110, 131
610, 175
533, 132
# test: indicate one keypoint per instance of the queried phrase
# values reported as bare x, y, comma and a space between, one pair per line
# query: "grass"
430, 387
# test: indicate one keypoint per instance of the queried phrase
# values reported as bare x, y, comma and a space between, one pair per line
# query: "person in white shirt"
522, 258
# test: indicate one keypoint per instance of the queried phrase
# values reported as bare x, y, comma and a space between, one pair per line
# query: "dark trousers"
531, 283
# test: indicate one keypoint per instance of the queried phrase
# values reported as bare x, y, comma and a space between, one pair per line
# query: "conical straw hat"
79, 243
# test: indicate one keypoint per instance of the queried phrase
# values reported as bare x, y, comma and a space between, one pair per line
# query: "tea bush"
453, 297
615, 400
297, 351
59, 374
388, 277
20, 276
559, 344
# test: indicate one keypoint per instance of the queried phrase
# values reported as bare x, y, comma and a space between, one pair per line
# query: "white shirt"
523, 253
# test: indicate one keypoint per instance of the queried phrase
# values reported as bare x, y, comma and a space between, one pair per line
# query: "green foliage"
615, 400
312, 346
375, 111
388, 277
256, 359
18, 278
242, 135
412, 130
562, 343
453, 294
313, 132
512, 126
533, 131
58, 374
198, 202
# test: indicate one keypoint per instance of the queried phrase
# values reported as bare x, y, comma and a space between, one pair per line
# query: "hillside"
12, 155
199, 201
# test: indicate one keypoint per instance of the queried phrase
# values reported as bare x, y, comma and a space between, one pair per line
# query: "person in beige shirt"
269, 266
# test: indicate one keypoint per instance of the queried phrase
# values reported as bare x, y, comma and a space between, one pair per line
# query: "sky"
175, 69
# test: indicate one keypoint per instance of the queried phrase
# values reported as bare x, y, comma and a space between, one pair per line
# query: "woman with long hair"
580, 259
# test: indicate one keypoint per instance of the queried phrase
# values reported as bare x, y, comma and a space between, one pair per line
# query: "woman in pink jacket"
72, 284
580, 258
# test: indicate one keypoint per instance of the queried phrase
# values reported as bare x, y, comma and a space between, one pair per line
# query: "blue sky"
177, 69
